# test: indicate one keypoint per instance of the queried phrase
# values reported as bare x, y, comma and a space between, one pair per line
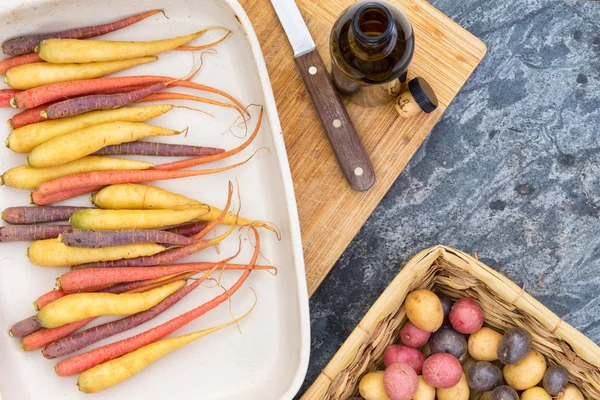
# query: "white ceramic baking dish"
269, 359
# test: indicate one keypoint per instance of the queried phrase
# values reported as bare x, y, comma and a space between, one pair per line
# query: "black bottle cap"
423, 94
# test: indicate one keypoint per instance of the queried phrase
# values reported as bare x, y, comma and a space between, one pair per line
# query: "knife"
343, 137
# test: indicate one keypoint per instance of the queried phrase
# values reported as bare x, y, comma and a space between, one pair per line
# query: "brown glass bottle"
371, 45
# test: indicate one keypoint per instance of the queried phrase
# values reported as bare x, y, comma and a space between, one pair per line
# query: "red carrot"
205, 46
21, 233
26, 44
48, 298
103, 178
94, 239
58, 91
82, 339
85, 361
81, 105
203, 160
40, 200
163, 96
5, 96
28, 117
188, 229
140, 148
44, 337
8, 63
38, 215
142, 286
80, 280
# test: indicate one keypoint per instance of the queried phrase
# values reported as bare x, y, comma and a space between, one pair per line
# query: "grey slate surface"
511, 171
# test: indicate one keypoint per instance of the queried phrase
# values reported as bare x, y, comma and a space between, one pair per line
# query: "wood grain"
331, 213
345, 141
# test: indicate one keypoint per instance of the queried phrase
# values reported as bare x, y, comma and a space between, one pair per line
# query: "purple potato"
484, 376
447, 340
514, 347
555, 380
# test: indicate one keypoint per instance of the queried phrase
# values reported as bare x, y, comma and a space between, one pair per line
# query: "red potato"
412, 336
400, 381
442, 370
466, 316
401, 354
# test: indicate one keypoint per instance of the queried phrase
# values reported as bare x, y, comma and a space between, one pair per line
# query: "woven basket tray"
458, 275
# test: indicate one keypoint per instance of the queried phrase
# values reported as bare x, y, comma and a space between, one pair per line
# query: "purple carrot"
26, 44
161, 258
188, 229
79, 340
94, 239
81, 105
25, 327
20, 233
38, 215
141, 148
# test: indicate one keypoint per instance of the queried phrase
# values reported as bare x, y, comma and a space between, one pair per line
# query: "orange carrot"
29, 116
5, 96
103, 178
44, 337
85, 361
8, 63
205, 46
57, 91
40, 200
162, 96
215, 157
48, 298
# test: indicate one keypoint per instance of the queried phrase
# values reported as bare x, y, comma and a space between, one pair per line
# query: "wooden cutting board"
331, 213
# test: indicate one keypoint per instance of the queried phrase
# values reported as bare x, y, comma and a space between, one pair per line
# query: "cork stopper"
419, 97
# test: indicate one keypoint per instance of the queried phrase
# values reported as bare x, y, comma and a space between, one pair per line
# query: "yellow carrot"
78, 144
28, 177
100, 220
144, 197
25, 139
113, 372
78, 306
52, 253
81, 51
33, 75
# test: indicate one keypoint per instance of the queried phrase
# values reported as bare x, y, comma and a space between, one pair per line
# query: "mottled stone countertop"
512, 171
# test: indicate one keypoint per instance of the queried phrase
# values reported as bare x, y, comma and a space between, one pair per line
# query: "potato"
555, 380
466, 316
571, 393
447, 304
460, 391
466, 366
412, 336
527, 373
400, 381
397, 353
483, 344
486, 396
442, 370
514, 347
484, 376
424, 391
426, 350
371, 386
447, 340
424, 310
535, 393
504, 393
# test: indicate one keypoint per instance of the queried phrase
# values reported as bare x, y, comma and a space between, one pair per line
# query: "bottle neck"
373, 33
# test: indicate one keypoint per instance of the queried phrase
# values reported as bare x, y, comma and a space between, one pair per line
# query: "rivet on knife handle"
347, 146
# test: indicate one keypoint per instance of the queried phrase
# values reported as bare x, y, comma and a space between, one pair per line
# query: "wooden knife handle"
347, 146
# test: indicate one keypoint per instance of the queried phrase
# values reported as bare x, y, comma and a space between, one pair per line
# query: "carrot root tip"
37, 48
44, 114
13, 103
36, 306
11, 127
10, 333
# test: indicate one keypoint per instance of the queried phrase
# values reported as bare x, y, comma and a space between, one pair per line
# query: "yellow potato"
460, 391
571, 393
535, 393
424, 391
424, 310
371, 386
527, 373
486, 396
483, 344
468, 364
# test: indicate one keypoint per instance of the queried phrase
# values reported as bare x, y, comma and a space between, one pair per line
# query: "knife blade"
347, 146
